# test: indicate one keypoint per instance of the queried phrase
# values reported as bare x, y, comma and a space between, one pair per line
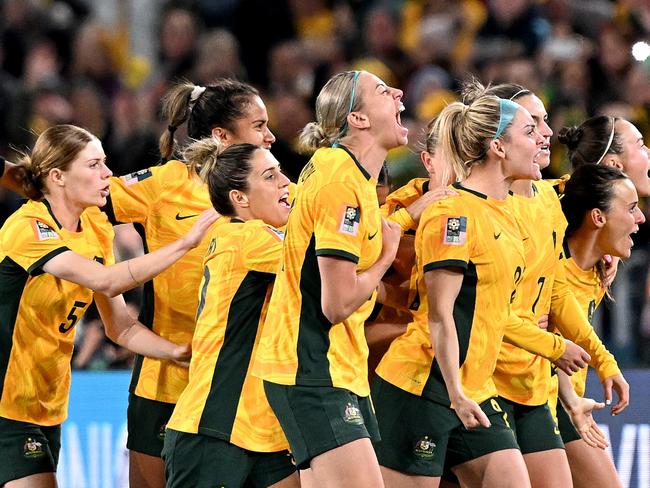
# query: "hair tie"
171, 128
507, 110
197, 91
609, 143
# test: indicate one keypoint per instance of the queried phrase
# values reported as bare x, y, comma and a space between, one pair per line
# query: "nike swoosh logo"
183, 217
496, 236
371, 237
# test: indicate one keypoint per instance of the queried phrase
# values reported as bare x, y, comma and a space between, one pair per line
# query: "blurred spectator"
179, 33
512, 27
218, 57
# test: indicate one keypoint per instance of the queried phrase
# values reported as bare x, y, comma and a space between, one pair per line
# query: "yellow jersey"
163, 203
481, 238
395, 206
222, 399
587, 289
38, 311
335, 213
520, 376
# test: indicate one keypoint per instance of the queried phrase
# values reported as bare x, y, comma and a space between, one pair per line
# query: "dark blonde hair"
336, 100
218, 104
464, 132
56, 148
222, 168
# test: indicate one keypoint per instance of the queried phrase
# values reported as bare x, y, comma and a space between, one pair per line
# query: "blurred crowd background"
105, 64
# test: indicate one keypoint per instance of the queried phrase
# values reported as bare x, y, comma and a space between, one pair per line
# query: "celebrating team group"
481, 281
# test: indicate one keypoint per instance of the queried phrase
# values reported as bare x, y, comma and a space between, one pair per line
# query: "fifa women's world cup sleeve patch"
44, 231
133, 178
455, 233
350, 221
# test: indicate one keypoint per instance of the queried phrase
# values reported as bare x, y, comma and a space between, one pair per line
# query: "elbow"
112, 292
109, 290
106, 286
334, 314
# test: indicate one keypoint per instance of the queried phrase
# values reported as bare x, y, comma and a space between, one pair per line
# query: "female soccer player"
404, 206
622, 148
55, 258
470, 257
312, 353
223, 431
163, 202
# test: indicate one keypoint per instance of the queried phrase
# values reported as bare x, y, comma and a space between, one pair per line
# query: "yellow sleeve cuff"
404, 219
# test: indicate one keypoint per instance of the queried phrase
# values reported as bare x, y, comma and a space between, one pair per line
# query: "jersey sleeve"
526, 335
31, 243
132, 196
339, 222
446, 238
570, 320
403, 218
263, 249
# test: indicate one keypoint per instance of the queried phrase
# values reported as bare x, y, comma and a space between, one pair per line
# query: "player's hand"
542, 323
198, 230
574, 358
469, 413
622, 388
182, 354
417, 207
581, 417
611, 267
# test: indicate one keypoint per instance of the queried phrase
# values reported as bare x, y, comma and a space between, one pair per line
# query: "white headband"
609, 143
523, 90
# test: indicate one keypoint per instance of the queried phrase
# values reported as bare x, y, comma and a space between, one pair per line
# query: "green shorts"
422, 437
27, 449
317, 419
534, 427
202, 461
146, 423
567, 430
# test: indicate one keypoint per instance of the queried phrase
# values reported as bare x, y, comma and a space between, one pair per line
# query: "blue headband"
507, 110
353, 96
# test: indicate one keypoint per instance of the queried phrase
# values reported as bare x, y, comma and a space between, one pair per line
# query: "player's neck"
66, 212
369, 155
523, 188
484, 179
584, 249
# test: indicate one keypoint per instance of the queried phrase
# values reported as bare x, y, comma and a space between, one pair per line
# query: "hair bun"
570, 136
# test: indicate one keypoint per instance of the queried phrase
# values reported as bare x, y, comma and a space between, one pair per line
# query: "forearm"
128, 332
569, 319
340, 300
392, 295
445, 346
141, 340
129, 274
566, 392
